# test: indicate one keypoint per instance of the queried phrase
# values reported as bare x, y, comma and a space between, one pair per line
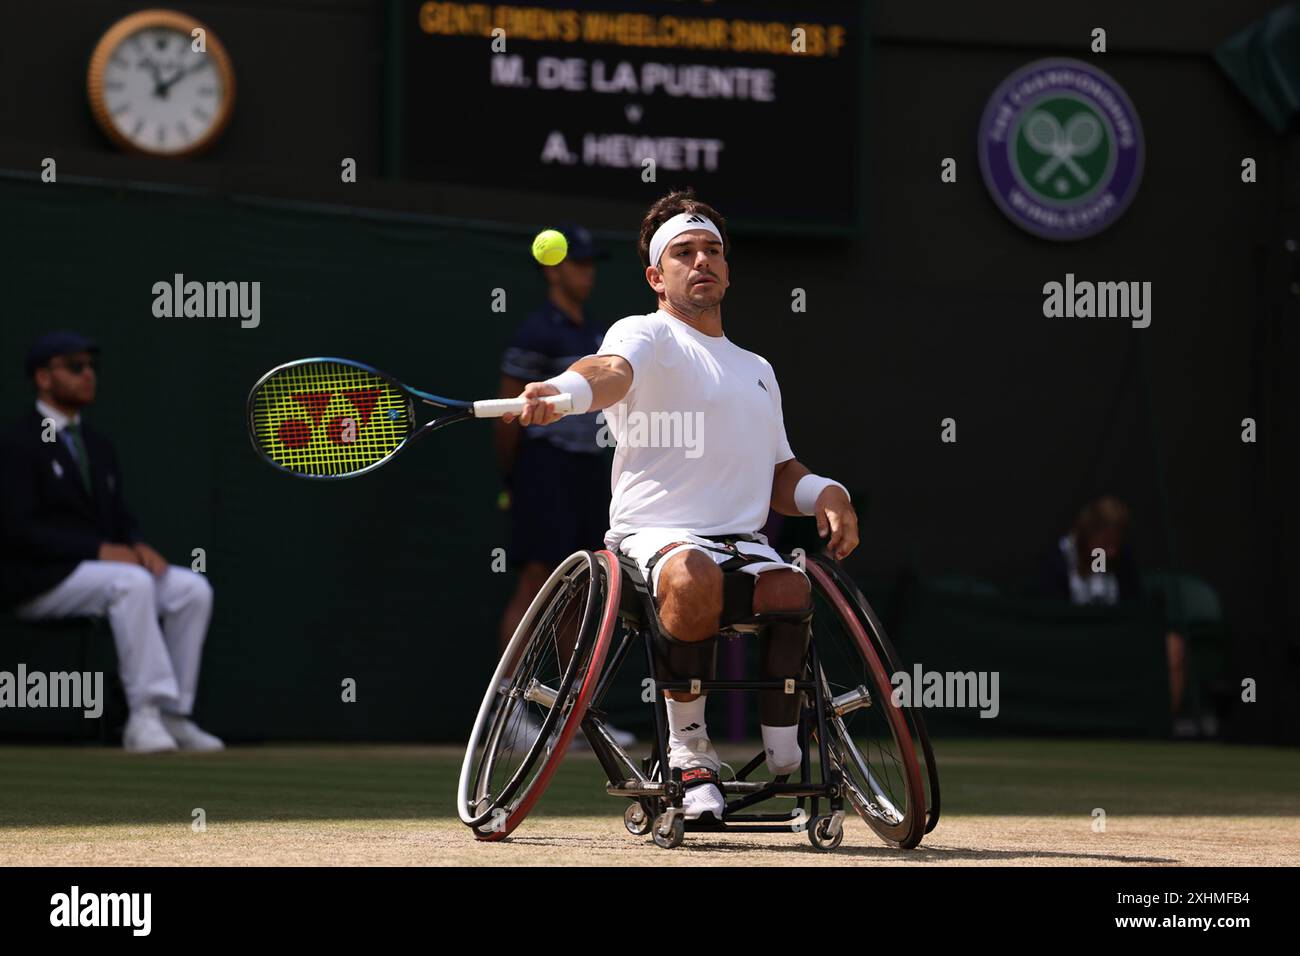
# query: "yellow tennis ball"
550, 247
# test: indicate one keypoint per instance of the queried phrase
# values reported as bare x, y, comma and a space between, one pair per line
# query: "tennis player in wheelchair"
680, 512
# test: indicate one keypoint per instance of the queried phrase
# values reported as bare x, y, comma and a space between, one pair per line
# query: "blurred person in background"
1072, 572
556, 479
70, 548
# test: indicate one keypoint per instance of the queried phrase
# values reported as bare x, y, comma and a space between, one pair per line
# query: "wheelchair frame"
654, 789
657, 806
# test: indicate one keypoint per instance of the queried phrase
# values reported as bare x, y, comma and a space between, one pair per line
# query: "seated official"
1093, 564
71, 549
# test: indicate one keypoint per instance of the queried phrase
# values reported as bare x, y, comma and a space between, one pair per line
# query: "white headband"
674, 227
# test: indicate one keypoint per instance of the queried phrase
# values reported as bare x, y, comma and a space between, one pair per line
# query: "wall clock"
152, 92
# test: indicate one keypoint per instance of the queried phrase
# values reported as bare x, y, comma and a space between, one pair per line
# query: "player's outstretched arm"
607, 376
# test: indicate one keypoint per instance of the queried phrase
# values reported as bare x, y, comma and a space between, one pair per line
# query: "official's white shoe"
188, 736
145, 733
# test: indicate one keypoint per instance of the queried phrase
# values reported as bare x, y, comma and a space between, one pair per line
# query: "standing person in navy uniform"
557, 479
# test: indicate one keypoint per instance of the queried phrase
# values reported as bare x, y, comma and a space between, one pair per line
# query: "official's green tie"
79, 447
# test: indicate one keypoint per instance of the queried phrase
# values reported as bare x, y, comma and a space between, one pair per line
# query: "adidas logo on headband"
674, 227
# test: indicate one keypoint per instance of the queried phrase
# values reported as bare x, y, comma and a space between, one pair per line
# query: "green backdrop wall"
388, 579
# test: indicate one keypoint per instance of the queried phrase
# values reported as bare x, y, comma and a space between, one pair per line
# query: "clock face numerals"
160, 93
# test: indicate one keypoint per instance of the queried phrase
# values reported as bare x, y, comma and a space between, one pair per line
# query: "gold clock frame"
144, 20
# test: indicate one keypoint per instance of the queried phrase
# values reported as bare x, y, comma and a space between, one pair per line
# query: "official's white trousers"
159, 625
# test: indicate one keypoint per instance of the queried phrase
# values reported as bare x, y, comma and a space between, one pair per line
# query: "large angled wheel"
889, 657
541, 689
869, 739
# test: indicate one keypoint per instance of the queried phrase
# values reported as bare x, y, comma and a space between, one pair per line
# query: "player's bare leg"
689, 594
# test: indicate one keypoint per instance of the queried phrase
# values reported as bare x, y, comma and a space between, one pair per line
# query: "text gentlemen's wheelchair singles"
861, 753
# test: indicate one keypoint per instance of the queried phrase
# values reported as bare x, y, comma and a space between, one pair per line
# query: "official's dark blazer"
1053, 578
48, 522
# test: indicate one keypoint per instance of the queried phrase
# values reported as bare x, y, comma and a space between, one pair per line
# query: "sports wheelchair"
585, 622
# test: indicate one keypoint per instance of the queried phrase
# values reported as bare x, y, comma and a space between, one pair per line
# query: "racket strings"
327, 419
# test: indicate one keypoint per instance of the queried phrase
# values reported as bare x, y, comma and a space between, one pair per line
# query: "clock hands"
162, 88
149, 62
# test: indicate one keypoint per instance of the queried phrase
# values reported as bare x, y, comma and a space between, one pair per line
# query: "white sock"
688, 735
781, 745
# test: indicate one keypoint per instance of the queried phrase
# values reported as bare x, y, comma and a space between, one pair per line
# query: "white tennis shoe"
145, 734
702, 800
189, 736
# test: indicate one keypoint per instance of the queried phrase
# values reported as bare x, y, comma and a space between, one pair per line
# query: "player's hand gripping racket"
334, 418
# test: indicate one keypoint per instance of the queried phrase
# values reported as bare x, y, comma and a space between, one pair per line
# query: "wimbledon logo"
1061, 149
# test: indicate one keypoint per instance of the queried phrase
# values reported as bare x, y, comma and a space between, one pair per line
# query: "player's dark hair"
664, 208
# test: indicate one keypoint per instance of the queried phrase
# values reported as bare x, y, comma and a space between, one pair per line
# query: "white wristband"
809, 488
576, 385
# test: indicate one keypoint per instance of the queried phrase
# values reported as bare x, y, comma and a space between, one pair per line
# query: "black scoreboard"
754, 104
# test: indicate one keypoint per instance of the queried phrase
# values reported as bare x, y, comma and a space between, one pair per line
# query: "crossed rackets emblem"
1080, 136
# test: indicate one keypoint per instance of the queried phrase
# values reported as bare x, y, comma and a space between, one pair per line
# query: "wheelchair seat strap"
736, 558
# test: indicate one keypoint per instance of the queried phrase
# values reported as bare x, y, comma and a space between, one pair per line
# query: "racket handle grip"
496, 407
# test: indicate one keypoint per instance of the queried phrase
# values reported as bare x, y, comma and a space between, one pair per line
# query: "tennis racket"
335, 418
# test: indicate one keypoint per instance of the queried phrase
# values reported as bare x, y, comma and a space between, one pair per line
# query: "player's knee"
691, 579
781, 591
692, 574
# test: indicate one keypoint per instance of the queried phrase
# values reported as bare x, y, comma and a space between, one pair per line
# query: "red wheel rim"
574, 720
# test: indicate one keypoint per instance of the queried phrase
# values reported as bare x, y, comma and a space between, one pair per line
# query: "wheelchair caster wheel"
669, 831
636, 820
826, 832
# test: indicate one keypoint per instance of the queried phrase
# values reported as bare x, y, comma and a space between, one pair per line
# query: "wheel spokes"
538, 683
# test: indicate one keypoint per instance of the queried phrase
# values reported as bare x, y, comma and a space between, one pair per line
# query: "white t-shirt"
699, 433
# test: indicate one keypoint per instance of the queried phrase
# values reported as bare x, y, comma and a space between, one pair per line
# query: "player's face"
692, 271
69, 380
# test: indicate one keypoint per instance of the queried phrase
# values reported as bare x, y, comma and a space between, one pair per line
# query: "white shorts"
642, 545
